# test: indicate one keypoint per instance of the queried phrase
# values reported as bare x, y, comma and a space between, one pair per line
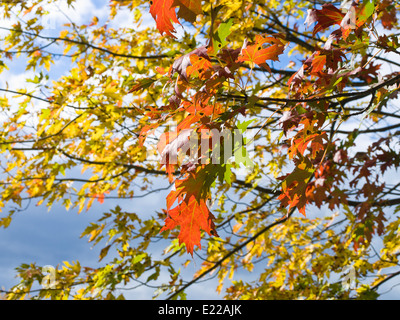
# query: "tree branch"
116, 54
232, 252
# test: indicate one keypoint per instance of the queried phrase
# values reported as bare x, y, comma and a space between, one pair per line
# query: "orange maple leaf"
199, 65
257, 54
100, 196
294, 185
191, 215
318, 63
163, 12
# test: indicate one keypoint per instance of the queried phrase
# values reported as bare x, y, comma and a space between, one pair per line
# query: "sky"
49, 238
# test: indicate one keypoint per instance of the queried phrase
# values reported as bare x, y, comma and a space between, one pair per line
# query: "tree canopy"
273, 126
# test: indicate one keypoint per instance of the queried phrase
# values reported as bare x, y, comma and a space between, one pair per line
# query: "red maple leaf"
163, 12
299, 145
388, 17
317, 144
294, 186
191, 215
318, 63
326, 17
181, 64
100, 196
198, 65
257, 54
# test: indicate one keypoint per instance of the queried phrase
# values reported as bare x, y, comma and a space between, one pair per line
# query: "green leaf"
138, 258
5, 222
155, 275
242, 156
223, 31
104, 252
242, 126
143, 84
228, 173
45, 114
367, 11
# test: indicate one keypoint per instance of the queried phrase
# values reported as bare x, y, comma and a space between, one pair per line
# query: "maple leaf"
301, 141
388, 14
298, 77
163, 12
258, 55
318, 63
356, 16
191, 215
340, 156
365, 12
230, 56
181, 64
188, 9
294, 186
198, 65
289, 119
334, 58
370, 73
328, 16
142, 84
100, 196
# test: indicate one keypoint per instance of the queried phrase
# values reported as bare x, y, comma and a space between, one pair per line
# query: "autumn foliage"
274, 123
